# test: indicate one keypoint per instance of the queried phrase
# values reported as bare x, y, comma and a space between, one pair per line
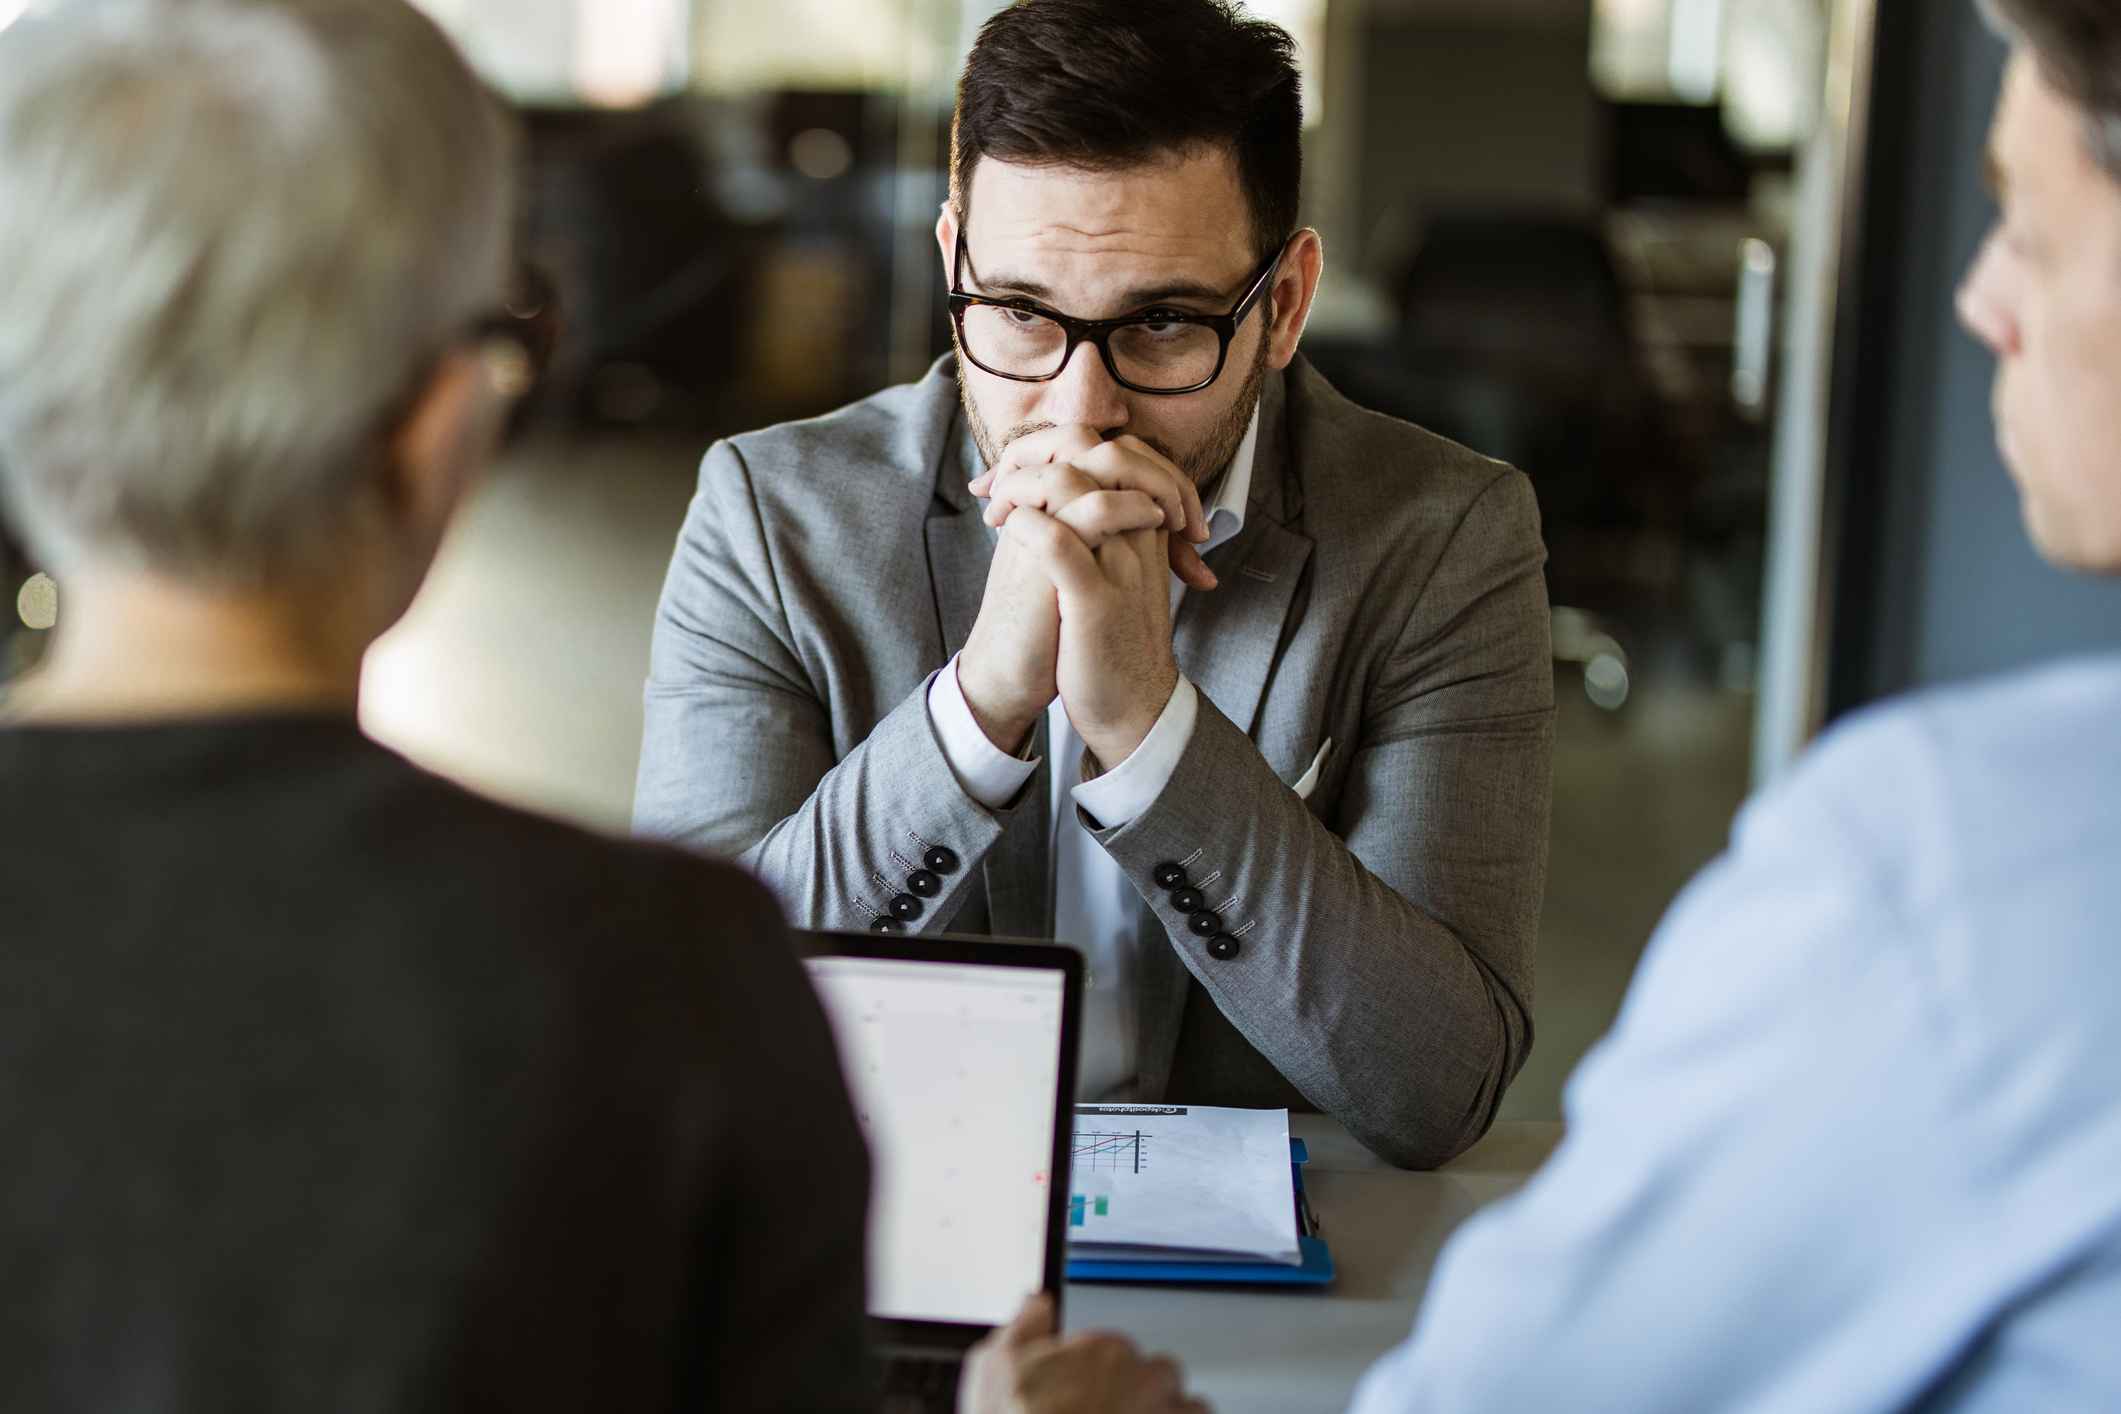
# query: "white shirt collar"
1226, 513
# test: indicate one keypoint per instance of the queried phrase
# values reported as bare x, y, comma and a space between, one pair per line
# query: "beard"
1202, 462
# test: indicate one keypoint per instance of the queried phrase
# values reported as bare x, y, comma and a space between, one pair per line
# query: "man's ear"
946, 242
1295, 290
437, 449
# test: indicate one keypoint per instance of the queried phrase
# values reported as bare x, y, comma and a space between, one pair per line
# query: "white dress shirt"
1853, 1142
1095, 906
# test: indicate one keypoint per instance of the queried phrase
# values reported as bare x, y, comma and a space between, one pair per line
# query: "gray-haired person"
323, 1084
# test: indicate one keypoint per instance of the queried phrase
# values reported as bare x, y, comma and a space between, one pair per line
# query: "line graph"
1112, 1151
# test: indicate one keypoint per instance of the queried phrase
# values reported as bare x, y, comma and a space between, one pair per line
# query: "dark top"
327, 1085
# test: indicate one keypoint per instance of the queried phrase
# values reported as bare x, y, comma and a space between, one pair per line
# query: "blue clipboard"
1316, 1269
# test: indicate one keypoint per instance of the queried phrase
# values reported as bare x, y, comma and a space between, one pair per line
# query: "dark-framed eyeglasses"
1161, 352
518, 338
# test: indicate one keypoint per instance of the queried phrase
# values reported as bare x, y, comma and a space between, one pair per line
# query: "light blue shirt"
1855, 1141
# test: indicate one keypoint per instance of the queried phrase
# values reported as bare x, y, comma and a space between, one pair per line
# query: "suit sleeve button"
887, 925
1189, 900
1222, 947
940, 860
1205, 924
924, 883
905, 908
1169, 875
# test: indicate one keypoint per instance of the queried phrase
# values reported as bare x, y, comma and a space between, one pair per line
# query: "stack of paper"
1157, 1183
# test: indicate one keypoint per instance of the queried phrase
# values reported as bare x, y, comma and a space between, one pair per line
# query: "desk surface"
1302, 1352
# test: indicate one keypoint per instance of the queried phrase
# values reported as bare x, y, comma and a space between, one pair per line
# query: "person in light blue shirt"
1855, 1141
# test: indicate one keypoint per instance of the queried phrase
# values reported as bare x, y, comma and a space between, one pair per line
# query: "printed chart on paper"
1154, 1180
1095, 1149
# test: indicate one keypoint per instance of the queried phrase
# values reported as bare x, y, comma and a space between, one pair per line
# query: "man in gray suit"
1290, 795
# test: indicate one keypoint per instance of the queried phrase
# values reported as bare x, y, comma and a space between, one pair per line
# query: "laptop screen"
953, 1069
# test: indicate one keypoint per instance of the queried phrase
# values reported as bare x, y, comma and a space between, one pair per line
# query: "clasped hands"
1078, 599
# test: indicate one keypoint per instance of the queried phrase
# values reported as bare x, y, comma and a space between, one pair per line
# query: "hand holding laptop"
1024, 1368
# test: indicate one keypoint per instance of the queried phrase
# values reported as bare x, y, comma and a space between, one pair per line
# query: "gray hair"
233, 236
2077, 44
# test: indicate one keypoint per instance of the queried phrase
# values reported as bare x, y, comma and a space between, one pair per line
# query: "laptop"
960, 1055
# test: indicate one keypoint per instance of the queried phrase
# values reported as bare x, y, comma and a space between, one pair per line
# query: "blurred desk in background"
1303, 1352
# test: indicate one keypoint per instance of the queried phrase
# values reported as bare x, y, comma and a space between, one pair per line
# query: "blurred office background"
1627, 245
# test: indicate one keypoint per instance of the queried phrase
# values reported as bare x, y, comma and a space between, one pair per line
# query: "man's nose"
1984, 307
1085, 393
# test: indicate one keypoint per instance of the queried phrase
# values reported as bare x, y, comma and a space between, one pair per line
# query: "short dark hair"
2077, 44
1101, 84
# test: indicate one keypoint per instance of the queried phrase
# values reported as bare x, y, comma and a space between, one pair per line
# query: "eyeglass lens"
1025, 345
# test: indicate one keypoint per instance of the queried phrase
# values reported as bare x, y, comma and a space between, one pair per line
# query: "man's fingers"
1068, 562
1105, 515
1048, 487
1122, 465
1196, 524
1036, 449
1097, 515
1187, 564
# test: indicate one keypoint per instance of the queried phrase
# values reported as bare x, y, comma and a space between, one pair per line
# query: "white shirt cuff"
988, 774
1125, 793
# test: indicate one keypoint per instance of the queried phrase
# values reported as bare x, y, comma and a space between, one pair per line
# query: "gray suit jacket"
1386, 593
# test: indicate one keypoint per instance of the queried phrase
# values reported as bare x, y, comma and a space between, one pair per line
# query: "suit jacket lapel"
960, 546
1018, 870
1227, 641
